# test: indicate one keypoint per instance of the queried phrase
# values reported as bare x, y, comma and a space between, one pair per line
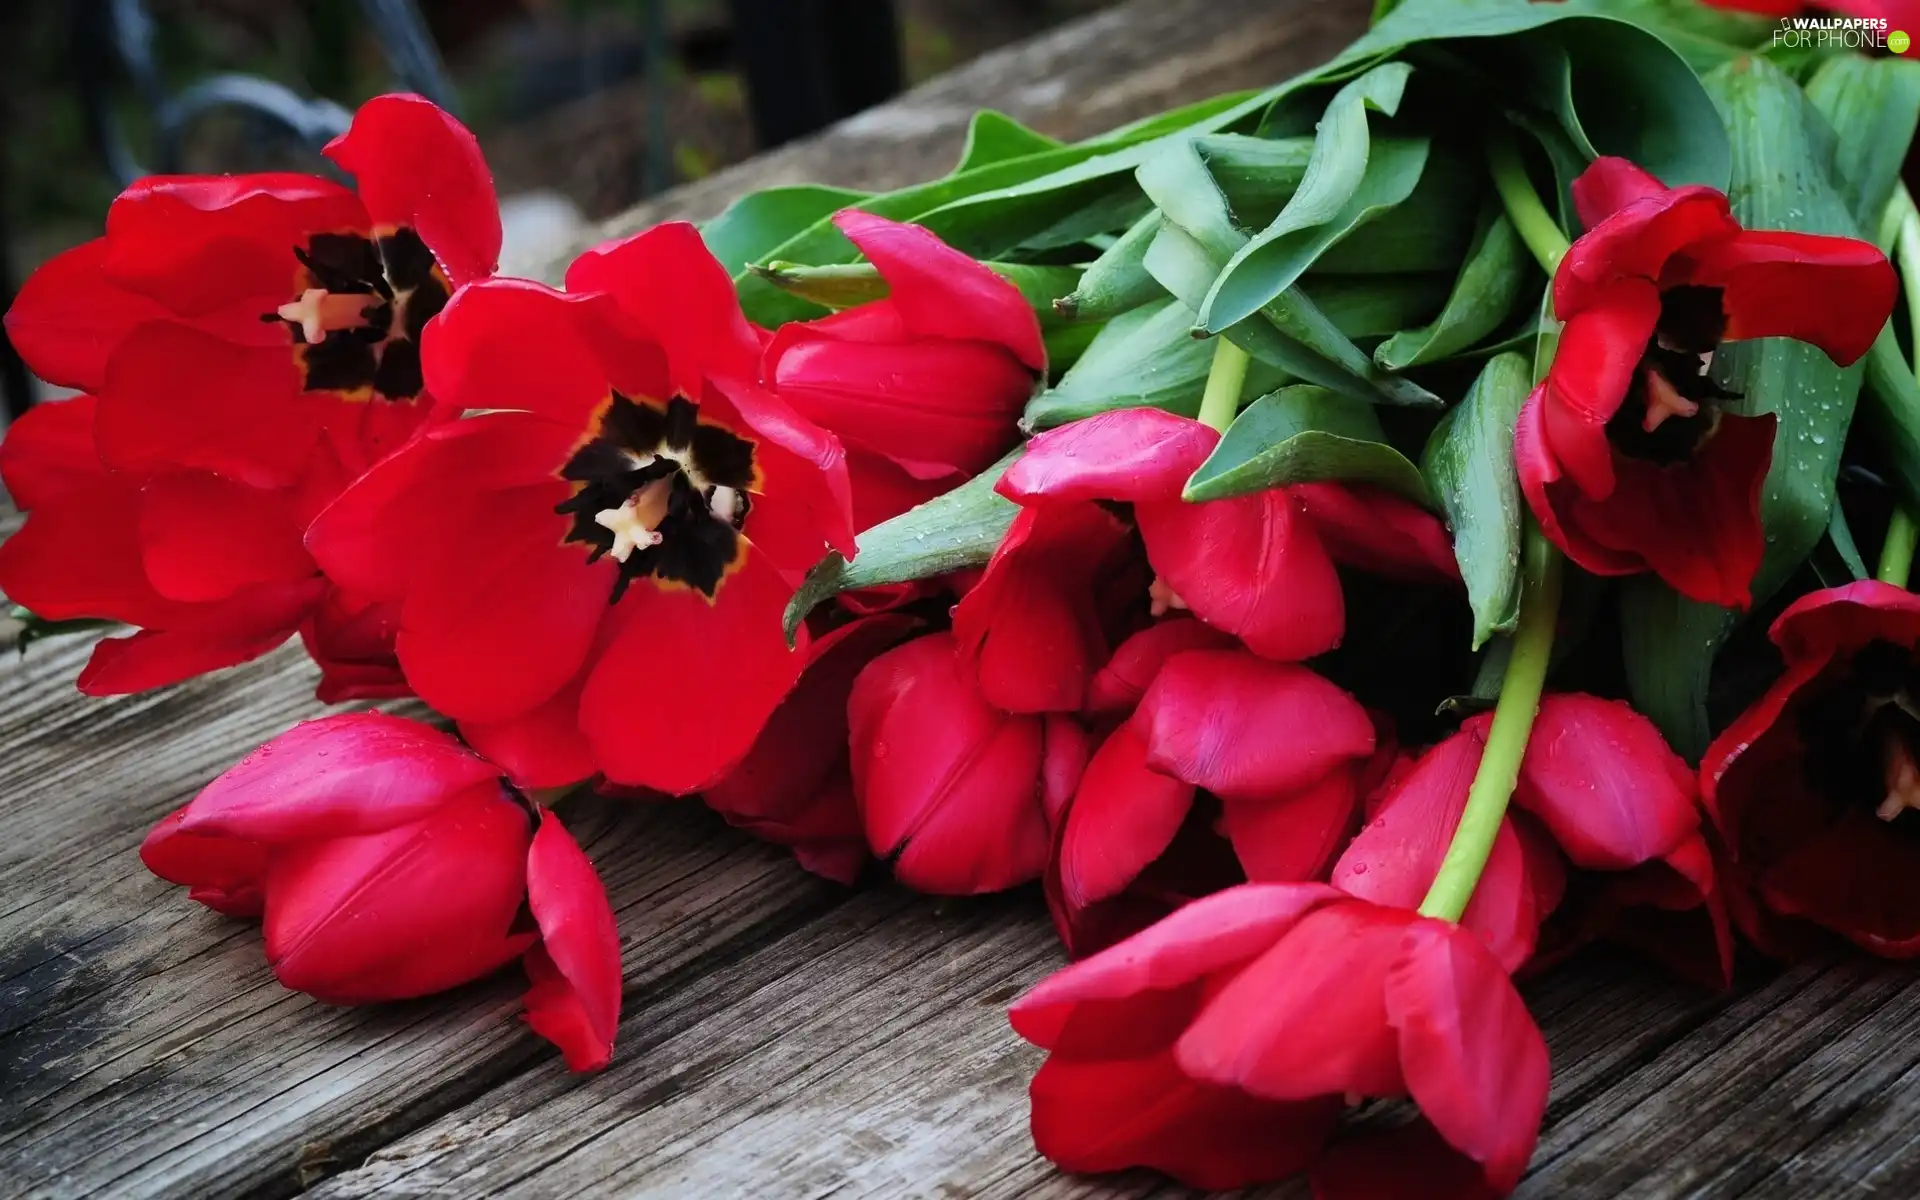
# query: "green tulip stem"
1221, 401
1513, 714
1896, 553
1530, 217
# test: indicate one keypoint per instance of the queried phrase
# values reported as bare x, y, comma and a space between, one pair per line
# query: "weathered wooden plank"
879, 1063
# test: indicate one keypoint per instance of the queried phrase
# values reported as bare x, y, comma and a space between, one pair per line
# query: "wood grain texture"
781, 1036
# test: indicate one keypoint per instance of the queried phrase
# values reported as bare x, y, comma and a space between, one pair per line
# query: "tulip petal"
69, 318
1474, 1060
501, 618
1373, 530
791, 787
939, 407
668, 285
1243, 727
540, 748
79, 556
222, 873
1294, 837
49, 453
175, 397
1211, 934
1307, 1018
415, 166
1833, 292
408, 911
1712, 555
1394, 858
221, 247
1253, 566
1098, 1116
575, 998
1593, 369
209, 637
942, 293
947, 784
679, 696
1605, 783
410, 506
1127, 454
1030, 629
1835, 621
204, 538
1636, 242
1848, 880
1609, 184
1124, 815
337, 776
514, 345
1136, 662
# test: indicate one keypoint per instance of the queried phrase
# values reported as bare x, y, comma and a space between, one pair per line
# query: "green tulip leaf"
994, 137
1496, 269
1874, 104
1304, 434
752, 226
1624, 91
1328, 204
1468, 464
1145, 358
949, 532
1118, 280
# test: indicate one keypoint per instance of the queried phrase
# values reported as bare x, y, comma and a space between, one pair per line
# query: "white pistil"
1664, 401
319, 312
635, 524
1902, 778
1163, 598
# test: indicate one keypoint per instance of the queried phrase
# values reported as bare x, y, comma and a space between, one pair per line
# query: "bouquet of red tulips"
1349, 544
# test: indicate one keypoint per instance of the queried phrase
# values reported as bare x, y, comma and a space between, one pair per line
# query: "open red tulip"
1222, 1044
1628, 430
1814, 786
591, 572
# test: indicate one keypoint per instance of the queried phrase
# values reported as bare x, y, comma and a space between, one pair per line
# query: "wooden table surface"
781, 1036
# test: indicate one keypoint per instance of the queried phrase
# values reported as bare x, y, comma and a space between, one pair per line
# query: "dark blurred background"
583, 106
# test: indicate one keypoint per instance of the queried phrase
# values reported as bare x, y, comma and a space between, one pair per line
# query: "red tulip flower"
953, 791
1814, 786
290, 303
591, 571
210, 570
1260, 567
926, 386
1598, 789
1280, 749
250, 343
388, 861
1222, 1045
1625, 455
795, 787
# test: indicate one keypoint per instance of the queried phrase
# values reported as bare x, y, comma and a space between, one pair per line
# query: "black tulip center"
1673, 403
1861, 733
663, 493
358, 310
